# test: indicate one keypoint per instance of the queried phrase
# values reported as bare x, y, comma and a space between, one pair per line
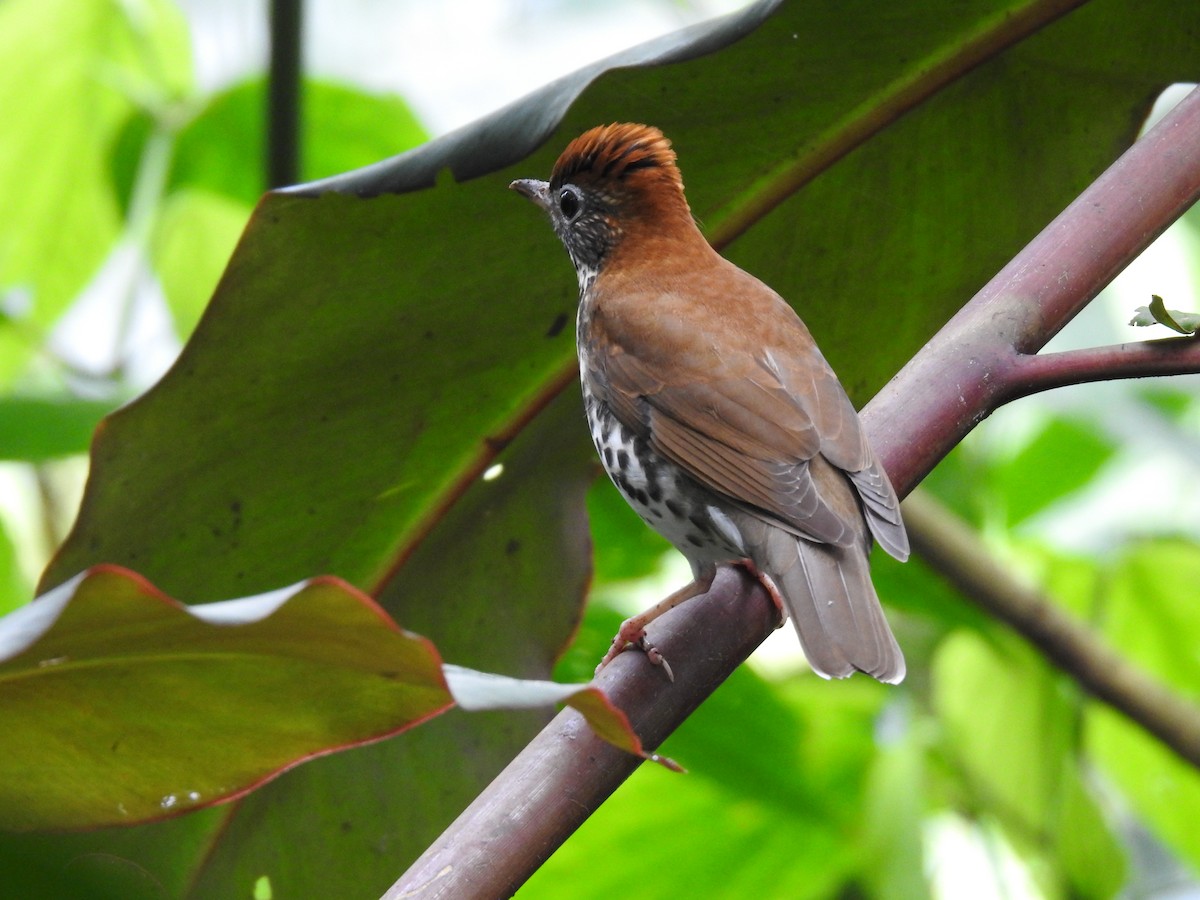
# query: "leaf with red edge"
123, 705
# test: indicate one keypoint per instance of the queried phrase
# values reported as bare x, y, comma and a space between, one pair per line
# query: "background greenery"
334, 400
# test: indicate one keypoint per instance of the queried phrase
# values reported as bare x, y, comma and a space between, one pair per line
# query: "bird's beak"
537, 191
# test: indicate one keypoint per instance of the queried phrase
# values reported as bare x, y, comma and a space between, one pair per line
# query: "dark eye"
568, 202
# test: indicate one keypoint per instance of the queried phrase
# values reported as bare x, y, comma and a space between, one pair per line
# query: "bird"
714, 412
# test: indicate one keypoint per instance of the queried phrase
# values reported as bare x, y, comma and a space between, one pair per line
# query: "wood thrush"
712, 409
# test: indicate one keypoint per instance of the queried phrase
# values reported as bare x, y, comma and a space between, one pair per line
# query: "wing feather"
771, 428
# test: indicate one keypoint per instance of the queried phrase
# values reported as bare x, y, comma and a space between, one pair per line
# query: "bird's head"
611, 183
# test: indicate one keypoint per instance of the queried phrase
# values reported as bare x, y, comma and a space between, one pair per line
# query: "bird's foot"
632, 633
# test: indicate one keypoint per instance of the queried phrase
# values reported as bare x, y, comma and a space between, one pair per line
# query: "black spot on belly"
623, 459
695, 541
674, 509
608, 457
654, 489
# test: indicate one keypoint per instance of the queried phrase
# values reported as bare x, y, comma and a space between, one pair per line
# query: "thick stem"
284, 94
566, 772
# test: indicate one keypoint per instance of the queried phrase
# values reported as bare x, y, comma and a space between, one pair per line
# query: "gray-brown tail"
828, 592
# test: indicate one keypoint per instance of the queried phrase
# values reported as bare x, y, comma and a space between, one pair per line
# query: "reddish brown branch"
959, 377
566, 772
1143, 359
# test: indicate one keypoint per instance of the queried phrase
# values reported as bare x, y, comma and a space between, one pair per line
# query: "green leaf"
266, 681
1171, 402
37, 429
1062, 458
69, 75
1093, 860
1015, 756
14, 591
1025, 722
1151, 614
625, 547
894, 820
123, 705
1158, 314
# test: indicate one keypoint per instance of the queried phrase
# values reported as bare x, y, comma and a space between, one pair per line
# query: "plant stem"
975, 363
283, 94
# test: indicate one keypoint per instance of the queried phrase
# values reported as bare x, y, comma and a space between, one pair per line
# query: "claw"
631, 635
656, 658
633, 631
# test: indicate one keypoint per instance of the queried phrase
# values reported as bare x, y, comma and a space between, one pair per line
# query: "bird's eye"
568, 202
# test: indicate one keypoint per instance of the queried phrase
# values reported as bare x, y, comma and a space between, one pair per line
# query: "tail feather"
828, 592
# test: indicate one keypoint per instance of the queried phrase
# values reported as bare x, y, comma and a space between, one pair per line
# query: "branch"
973, 364
951, 546
955, 381
566, 772
284, 94
1141, 359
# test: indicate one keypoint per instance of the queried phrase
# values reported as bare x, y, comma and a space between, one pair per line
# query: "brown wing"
746, 411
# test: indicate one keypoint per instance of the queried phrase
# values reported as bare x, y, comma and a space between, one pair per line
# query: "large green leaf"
435, 320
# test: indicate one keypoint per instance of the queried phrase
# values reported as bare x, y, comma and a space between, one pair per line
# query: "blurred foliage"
798, 788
